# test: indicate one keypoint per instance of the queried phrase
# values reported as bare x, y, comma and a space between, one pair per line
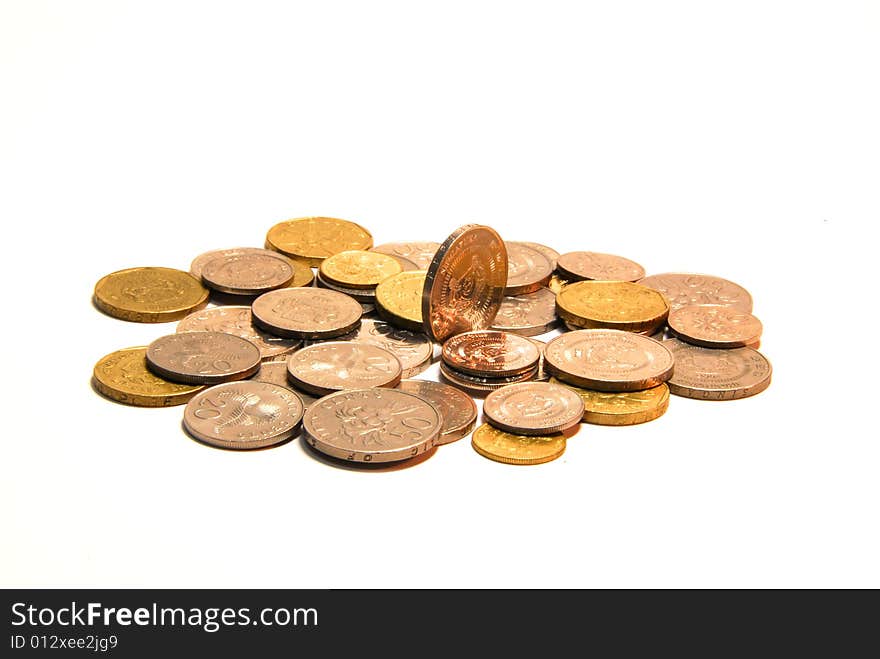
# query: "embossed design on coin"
203, 357
465, 282
414, 350
549, 253
715, 326
315, 238
326, 367
358, 268
399, 300
244, 415
123, 376
457, 410
612, 305
487, 352
527, 269
624, 408
198, 263
238, 321
501, 446
595, 265
372, 425
246, 274
717, 374
682, 289
533, 408
149, 295
306, 313
527, 314
420, 253
608, 360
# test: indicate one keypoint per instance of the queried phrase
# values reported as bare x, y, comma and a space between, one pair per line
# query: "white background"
740, 139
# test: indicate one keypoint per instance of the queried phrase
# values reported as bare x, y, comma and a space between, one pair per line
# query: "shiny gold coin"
617, 305
506, 447
625, 408
149, 295
359, 268
313, 239
399, 300
123, 376
302, 274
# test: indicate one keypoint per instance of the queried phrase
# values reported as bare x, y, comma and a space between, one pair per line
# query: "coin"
527, 314
541, 375
457, 410
420, 253
413, 350
244, 415
490, 353
149, 295
465, 282
533, 408
682, 289
198, 263
123, 376
612, 305
334, 365
623, 408
276, 373
595, 265
362, 295
246, 274
238, 321
358, 268
715, 326
717, 374
557, 283
527, 269
399, 300
203, 357
549, 253
313, 239
500, 446
372, 425
608, 360
306, 313
481, 385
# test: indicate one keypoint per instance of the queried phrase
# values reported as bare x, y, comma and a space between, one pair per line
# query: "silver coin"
527, 314
238, 320
458, 410
306, 313
335, 365
276, 373
203, 357
418, 253
551, 254
246, 274
195, 268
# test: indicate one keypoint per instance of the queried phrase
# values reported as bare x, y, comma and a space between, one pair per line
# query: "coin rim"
135, 316
562, 426
188, 378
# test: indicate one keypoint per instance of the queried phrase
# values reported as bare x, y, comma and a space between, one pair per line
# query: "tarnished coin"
238, 321
527, 314
327, 367
715, 326
420, 253
480, 386
149, 295
608, 360
276, 373
399, 300
551, 254
717, 374
306, 313
533, 408
244, 415
624, 408
527, 269
612, 305
490, 353
465, 282
413, 349
358, 268
577, 266
372, 425
457, 410
313, 239
682, 289
501, 446
246, 274
123, 376
203, 357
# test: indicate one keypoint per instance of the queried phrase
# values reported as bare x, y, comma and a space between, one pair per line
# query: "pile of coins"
321, 333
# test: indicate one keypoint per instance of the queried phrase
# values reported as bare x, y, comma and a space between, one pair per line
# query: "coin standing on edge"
239, 321
501, 446
682, 289
715, 326
203, 357
123, 376
534, 408
490, 353
306, 313
527, 269
717, 373
150, 294
244, 415
420, 253
399, 300
246, 274
578, 266
457, 410
624, 408
528, 314
335, 365
313, 239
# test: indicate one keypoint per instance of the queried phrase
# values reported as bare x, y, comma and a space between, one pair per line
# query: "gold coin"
150, 295
512, 449
123, 376
617, 305
359, 269
557, 283
313, 239
302, 274
399, 299
625, 408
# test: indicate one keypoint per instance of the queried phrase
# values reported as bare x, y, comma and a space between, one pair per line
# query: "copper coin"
682, 289
482, 385
595, 265
372, 425
717, 374
306, 313
490, 353
457, 410
551, 254
465, 282
533, 408
244, 415
612, 305
608, 360
203, 357
327, 367
527, 314
501, 446
527, 269
276, 373
238, 321
715, 326
419, 253
246, 274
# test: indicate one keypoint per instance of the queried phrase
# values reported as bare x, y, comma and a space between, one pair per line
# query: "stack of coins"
485, 360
